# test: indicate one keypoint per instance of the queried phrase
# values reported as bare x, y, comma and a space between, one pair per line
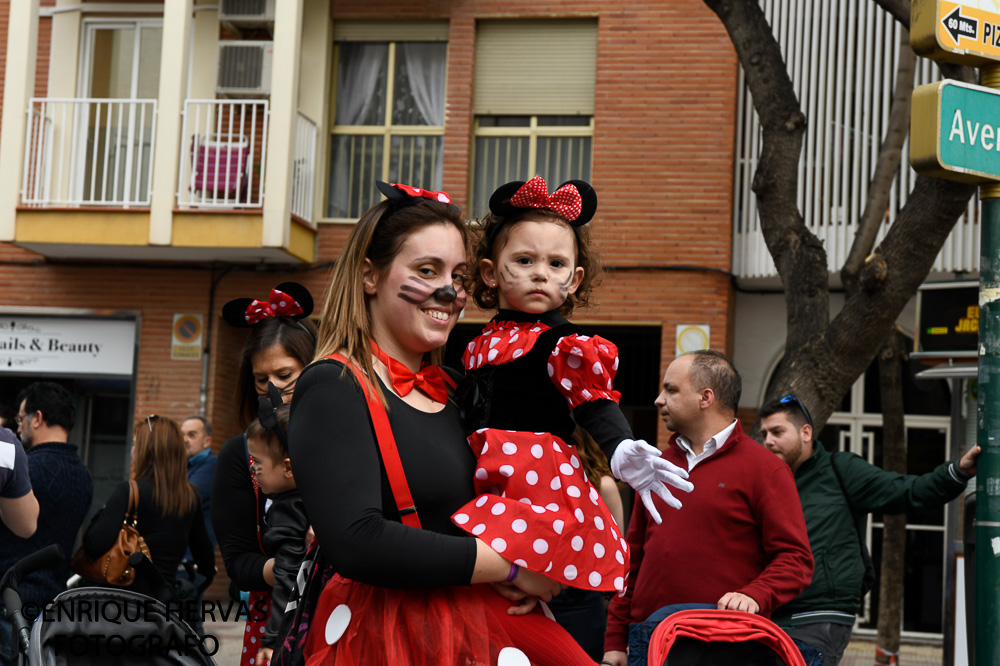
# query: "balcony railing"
304, 164
224, 154
89, 152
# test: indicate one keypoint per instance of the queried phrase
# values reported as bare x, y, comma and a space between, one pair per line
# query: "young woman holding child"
404, 594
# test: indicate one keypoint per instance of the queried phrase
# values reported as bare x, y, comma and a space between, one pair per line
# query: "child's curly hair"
488, 240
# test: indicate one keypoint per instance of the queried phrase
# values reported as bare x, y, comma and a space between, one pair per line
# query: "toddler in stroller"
99, 625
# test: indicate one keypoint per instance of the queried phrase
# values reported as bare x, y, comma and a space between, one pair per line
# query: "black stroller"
98, 625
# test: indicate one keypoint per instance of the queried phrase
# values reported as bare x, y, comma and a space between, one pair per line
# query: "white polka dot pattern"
537, 506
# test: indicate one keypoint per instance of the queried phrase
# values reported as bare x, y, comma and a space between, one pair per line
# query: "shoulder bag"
112, 567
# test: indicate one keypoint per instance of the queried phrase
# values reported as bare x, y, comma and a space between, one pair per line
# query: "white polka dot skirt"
537, 509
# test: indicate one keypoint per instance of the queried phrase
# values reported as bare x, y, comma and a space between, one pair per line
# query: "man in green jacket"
823, 615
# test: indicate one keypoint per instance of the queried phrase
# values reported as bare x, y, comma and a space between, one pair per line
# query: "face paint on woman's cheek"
415, 292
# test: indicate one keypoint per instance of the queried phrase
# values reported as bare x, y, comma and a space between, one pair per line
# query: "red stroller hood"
721, 626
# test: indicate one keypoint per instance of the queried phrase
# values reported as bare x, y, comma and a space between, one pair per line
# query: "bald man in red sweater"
740, 540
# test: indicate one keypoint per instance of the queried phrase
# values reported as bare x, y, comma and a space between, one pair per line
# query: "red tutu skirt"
358, 624
255, 628
538, 509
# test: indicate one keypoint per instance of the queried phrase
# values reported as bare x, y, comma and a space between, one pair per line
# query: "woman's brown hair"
345, 324
158, 454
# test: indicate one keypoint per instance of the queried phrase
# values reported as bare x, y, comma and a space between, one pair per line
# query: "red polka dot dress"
536, 506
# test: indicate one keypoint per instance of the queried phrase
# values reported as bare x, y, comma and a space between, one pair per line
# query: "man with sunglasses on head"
838, 491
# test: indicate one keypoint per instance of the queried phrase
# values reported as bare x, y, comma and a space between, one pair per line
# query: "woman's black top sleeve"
338, 470
106, 523
234, 517
201, 546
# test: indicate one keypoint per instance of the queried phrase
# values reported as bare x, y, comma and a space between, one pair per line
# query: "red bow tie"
431, 380
565, 201
280, 305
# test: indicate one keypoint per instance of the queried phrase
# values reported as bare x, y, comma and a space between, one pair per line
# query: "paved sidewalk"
230, 637
862, 653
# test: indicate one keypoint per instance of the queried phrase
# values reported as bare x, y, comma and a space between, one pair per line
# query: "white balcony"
304, 165
88, 152
223, 154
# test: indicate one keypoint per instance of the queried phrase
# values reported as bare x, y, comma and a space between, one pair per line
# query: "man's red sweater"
740, 530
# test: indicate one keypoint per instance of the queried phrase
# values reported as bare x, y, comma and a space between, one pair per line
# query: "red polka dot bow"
280, 305
426, 194
565, 201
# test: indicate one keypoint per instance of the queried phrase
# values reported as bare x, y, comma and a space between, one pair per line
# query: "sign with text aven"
955, 132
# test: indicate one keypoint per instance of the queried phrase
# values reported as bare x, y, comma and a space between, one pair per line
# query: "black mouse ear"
588, 201
393, 194
301, 296
500, 201
235, 312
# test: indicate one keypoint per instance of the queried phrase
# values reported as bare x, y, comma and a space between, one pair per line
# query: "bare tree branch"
890, 155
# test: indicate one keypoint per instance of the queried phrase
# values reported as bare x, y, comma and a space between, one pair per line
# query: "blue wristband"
513, 572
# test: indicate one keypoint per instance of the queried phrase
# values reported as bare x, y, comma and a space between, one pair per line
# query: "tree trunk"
890, 592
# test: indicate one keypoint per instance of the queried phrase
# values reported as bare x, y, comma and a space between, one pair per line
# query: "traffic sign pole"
988, 435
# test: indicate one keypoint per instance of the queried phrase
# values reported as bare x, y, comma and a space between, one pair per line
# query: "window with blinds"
533, 102
388, 110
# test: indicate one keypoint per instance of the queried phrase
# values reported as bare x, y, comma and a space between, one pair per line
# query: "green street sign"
955, 132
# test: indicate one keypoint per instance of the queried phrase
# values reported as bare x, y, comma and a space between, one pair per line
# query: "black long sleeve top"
235, 511
339, 472
166, 536
285, 530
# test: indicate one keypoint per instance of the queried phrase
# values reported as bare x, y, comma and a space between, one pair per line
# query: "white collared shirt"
711, 446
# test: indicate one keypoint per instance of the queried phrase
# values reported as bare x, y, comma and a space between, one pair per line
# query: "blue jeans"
6, 656
639, 633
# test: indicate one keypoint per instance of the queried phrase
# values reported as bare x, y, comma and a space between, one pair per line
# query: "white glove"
639, 465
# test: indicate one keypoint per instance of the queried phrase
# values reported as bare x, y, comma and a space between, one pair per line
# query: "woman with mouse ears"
382, 463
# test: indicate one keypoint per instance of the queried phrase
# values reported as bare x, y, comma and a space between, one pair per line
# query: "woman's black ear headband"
574, 201
267, 413
288, 299
401, 196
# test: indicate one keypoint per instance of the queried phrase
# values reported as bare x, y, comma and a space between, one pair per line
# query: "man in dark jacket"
823, 615
62, 484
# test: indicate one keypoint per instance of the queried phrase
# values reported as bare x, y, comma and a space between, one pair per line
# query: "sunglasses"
791, 397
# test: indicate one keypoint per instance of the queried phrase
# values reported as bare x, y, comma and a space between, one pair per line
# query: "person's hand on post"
969, 461
639, 465
738, 602
614, 658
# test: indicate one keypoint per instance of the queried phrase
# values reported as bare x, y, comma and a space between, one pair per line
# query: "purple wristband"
513, 572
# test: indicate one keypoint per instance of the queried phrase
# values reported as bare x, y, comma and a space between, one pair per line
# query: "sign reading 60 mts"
955, 31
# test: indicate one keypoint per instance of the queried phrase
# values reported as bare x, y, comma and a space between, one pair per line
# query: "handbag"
112, 567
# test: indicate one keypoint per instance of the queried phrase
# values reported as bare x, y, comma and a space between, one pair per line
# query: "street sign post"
955, 132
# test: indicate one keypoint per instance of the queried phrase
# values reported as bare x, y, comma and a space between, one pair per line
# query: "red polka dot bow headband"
400, 196
288, 299
574, 201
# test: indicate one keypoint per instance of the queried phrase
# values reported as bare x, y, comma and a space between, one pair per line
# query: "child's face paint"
419, 297
535, 271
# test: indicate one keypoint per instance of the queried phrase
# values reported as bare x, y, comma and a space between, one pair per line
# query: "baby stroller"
711, 637
97, 625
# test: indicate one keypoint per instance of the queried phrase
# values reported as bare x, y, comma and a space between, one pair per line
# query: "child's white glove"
639, 465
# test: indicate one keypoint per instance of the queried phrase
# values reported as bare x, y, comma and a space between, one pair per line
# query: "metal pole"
988, 435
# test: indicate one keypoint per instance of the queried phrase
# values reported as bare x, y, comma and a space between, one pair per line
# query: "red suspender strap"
387, 446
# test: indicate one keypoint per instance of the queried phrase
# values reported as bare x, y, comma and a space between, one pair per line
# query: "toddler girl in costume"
531, 376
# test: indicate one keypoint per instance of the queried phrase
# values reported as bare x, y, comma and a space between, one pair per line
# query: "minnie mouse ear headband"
574, 201
267, 413
288, 299
400, 196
